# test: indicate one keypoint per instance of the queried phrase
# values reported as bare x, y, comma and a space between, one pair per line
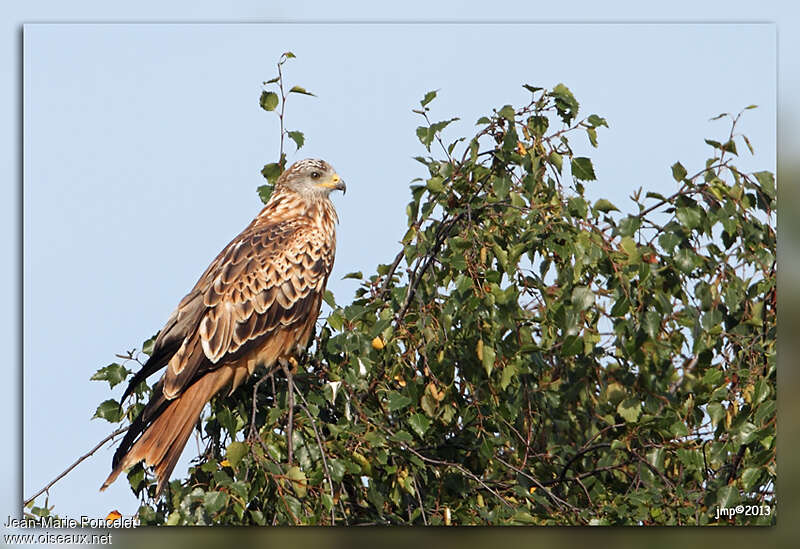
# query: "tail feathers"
162, 441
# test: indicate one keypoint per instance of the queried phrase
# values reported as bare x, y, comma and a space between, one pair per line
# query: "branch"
577, 456
442, 234
71, 467
390, 274
304, 406
555, 499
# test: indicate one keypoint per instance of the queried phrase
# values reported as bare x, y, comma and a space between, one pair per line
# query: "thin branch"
555, 499
735, 465
388, 280
304, 405
419, 499
464, 471
290, 419
444, 230
253, 432
71, 467
578, 455
280, 114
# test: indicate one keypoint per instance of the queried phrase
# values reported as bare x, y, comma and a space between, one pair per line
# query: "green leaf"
604, 206
271, 172
565, 103
428, 404
268, 100
435, 184
630, 409
109, 410
358, 275
689, 217
419, 423
147, 346
301, 90
678, 429
538, 125
629, 225
430, 96
509, 372
577, 206
592, 134
329, 299
214, 501
299, 481
488, 359
684, 260
761, 391
501, 185
629, 246
235, 452
597, 121
652, 324
507, 112
335, 320
582, 169
716, 412
298, 138
730, 146
678, 172
265, 192
397, 401
582, 297
767, 182
750, 477
727, 496
556, 160
113, 373
621, 307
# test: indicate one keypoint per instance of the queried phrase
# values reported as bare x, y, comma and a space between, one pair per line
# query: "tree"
527, 357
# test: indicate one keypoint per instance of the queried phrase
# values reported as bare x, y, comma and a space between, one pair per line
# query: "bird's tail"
163, 437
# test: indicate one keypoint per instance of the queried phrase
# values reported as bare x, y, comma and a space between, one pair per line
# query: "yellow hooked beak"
335, 183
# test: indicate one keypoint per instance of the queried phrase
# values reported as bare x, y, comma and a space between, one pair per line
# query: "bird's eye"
314, 175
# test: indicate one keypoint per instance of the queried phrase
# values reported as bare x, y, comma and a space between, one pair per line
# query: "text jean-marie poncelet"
62, 522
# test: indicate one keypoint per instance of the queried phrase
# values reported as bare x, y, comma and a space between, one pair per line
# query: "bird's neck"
285, 205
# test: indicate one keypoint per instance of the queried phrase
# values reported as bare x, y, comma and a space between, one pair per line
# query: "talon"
293, 365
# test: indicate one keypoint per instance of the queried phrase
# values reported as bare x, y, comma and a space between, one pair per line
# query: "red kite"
255, 305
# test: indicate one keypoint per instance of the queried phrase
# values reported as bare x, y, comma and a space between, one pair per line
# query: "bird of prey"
255, 305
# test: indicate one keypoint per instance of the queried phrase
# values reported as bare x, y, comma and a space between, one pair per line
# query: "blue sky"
143, 144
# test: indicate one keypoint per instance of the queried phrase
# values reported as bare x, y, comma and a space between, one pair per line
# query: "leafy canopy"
528, 357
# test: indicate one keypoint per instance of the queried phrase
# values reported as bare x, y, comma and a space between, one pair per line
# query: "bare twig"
388, 280
304, 405
555, 499
464, 471
419, 499
736, 461
253, 431
441, 234
77, 462
290, 419
578, 455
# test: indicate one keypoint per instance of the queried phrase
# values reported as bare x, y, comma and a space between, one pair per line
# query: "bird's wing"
268, 280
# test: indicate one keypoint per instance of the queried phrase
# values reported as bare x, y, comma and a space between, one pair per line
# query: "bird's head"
311, 178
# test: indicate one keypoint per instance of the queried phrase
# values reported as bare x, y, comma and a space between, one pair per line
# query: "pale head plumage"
311, 178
